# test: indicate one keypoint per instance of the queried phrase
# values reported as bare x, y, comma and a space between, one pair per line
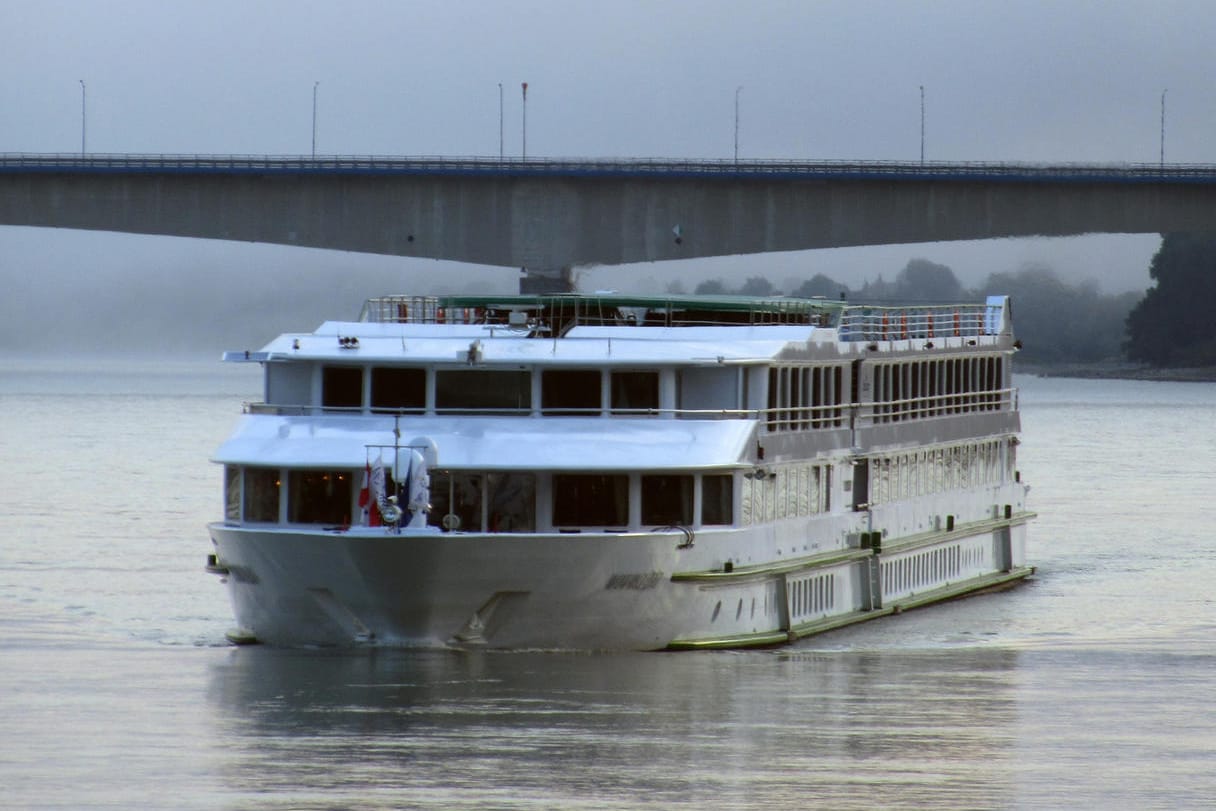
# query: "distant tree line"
1058, 323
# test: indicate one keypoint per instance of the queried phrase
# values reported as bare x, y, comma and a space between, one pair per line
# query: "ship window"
480, 391
774, 377
318, 497
570, 392
289, 384
342, 387
717, 499
232, 493
634, 390
590, 500
261, 494
821, 395
511, 500
398, 389
667, 499
455, 501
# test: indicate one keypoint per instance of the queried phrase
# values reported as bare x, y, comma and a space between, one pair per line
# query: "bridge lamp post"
82, 117
737, 91
500, 121
314, 119
1163, 92
525, 147
922, 124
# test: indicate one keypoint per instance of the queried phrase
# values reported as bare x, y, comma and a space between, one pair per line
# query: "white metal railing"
296, 409
937, 405
874, 323
790, 418
807, 417
401, 310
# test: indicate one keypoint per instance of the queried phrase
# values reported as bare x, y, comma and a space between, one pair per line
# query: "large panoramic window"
570, 392
232, 493
635, 391
667, 500
395, 389
342, 387
803, 397
590, 500
455, 501
717, 499
319, 497
510, 502
948, 386
262, 486
482, 391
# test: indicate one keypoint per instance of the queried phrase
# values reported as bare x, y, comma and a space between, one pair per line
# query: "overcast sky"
1070, 80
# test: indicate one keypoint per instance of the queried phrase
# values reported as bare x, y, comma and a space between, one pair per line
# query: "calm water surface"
1089, 687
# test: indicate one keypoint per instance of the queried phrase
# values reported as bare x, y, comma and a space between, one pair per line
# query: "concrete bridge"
551, 215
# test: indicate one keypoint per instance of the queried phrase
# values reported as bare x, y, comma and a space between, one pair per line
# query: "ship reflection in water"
765, 729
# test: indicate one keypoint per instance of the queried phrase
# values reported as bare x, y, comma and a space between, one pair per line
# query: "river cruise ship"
620, 472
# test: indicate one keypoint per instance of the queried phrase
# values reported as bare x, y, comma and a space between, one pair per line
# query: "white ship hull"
587, 591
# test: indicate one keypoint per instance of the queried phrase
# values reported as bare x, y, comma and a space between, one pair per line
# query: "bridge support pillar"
546, 280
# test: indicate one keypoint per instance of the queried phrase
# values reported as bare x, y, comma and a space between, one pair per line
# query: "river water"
1091, 686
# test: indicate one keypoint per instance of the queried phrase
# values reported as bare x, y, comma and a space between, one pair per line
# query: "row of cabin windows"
799, 398
930, 388
908, 475
483, 501
806, 397
563, 392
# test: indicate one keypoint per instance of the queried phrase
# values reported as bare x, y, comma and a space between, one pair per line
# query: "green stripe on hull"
992, 581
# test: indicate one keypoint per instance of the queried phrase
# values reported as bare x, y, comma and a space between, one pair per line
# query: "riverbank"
1119, 371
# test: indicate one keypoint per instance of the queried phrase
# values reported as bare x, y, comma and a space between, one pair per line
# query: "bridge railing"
19, 162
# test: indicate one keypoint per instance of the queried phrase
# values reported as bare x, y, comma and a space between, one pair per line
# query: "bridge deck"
550, 214
19, 163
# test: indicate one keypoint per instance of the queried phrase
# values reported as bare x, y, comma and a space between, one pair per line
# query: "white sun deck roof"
493, 443
450, 343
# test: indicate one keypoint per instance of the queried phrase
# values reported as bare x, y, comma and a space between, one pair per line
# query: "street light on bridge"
922, 124
1163, 92
525, 148
314, 119
82, 118
737, 90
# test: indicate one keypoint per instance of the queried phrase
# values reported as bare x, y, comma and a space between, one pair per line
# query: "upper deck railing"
987, 171
890, 323
549, 314
791, 418
856, 322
